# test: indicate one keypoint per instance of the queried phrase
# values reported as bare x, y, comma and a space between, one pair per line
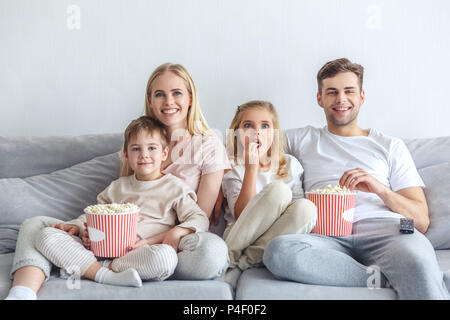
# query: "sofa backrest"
427, 152
22, 157
432, 159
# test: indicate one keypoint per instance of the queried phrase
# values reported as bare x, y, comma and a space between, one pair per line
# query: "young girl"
196, 156
263, 190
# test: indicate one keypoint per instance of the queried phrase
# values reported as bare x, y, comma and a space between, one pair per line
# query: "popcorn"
112, 208
333, 189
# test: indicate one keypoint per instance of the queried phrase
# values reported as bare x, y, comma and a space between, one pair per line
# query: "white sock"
21, 293
129, 277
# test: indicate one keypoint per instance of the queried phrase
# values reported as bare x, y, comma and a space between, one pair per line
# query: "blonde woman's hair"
196, 123
278, 144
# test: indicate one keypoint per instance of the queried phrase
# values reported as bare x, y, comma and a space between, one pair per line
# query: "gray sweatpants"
407, 261
201, 256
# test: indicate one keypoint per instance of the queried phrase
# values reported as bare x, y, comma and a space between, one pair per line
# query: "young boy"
163, 199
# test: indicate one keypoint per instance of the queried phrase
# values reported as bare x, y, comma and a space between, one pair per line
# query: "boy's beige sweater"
164, 203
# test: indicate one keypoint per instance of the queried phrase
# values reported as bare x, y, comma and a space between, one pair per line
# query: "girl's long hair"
276, 150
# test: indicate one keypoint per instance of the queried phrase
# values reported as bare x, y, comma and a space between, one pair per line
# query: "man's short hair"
332, 68
148, 124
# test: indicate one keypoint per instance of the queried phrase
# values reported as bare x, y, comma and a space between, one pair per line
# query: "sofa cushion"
57, 288
437, 192
260, 284
22, 157
6, 261
443, 258
8, 237
62, 194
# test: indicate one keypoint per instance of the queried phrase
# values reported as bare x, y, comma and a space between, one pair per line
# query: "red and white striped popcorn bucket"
334, 213
111, 234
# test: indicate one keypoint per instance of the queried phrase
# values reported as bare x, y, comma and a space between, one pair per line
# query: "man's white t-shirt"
325, 157
232, 183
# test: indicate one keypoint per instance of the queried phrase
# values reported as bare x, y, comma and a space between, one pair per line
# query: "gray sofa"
59, 176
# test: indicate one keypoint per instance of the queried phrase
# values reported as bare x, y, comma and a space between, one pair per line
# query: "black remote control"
406, 225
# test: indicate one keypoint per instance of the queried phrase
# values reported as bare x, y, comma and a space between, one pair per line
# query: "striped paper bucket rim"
326, 194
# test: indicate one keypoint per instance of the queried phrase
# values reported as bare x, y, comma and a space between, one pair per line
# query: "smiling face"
170, 100
257, 125
341, 98
144, 155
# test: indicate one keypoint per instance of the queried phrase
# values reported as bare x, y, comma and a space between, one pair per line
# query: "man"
381, 170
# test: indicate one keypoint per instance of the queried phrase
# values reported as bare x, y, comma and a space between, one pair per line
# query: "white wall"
56, 80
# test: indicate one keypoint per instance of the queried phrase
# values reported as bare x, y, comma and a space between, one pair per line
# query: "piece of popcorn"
112, 208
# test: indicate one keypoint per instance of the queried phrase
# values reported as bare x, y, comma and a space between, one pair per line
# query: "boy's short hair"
148, 124
332, 68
